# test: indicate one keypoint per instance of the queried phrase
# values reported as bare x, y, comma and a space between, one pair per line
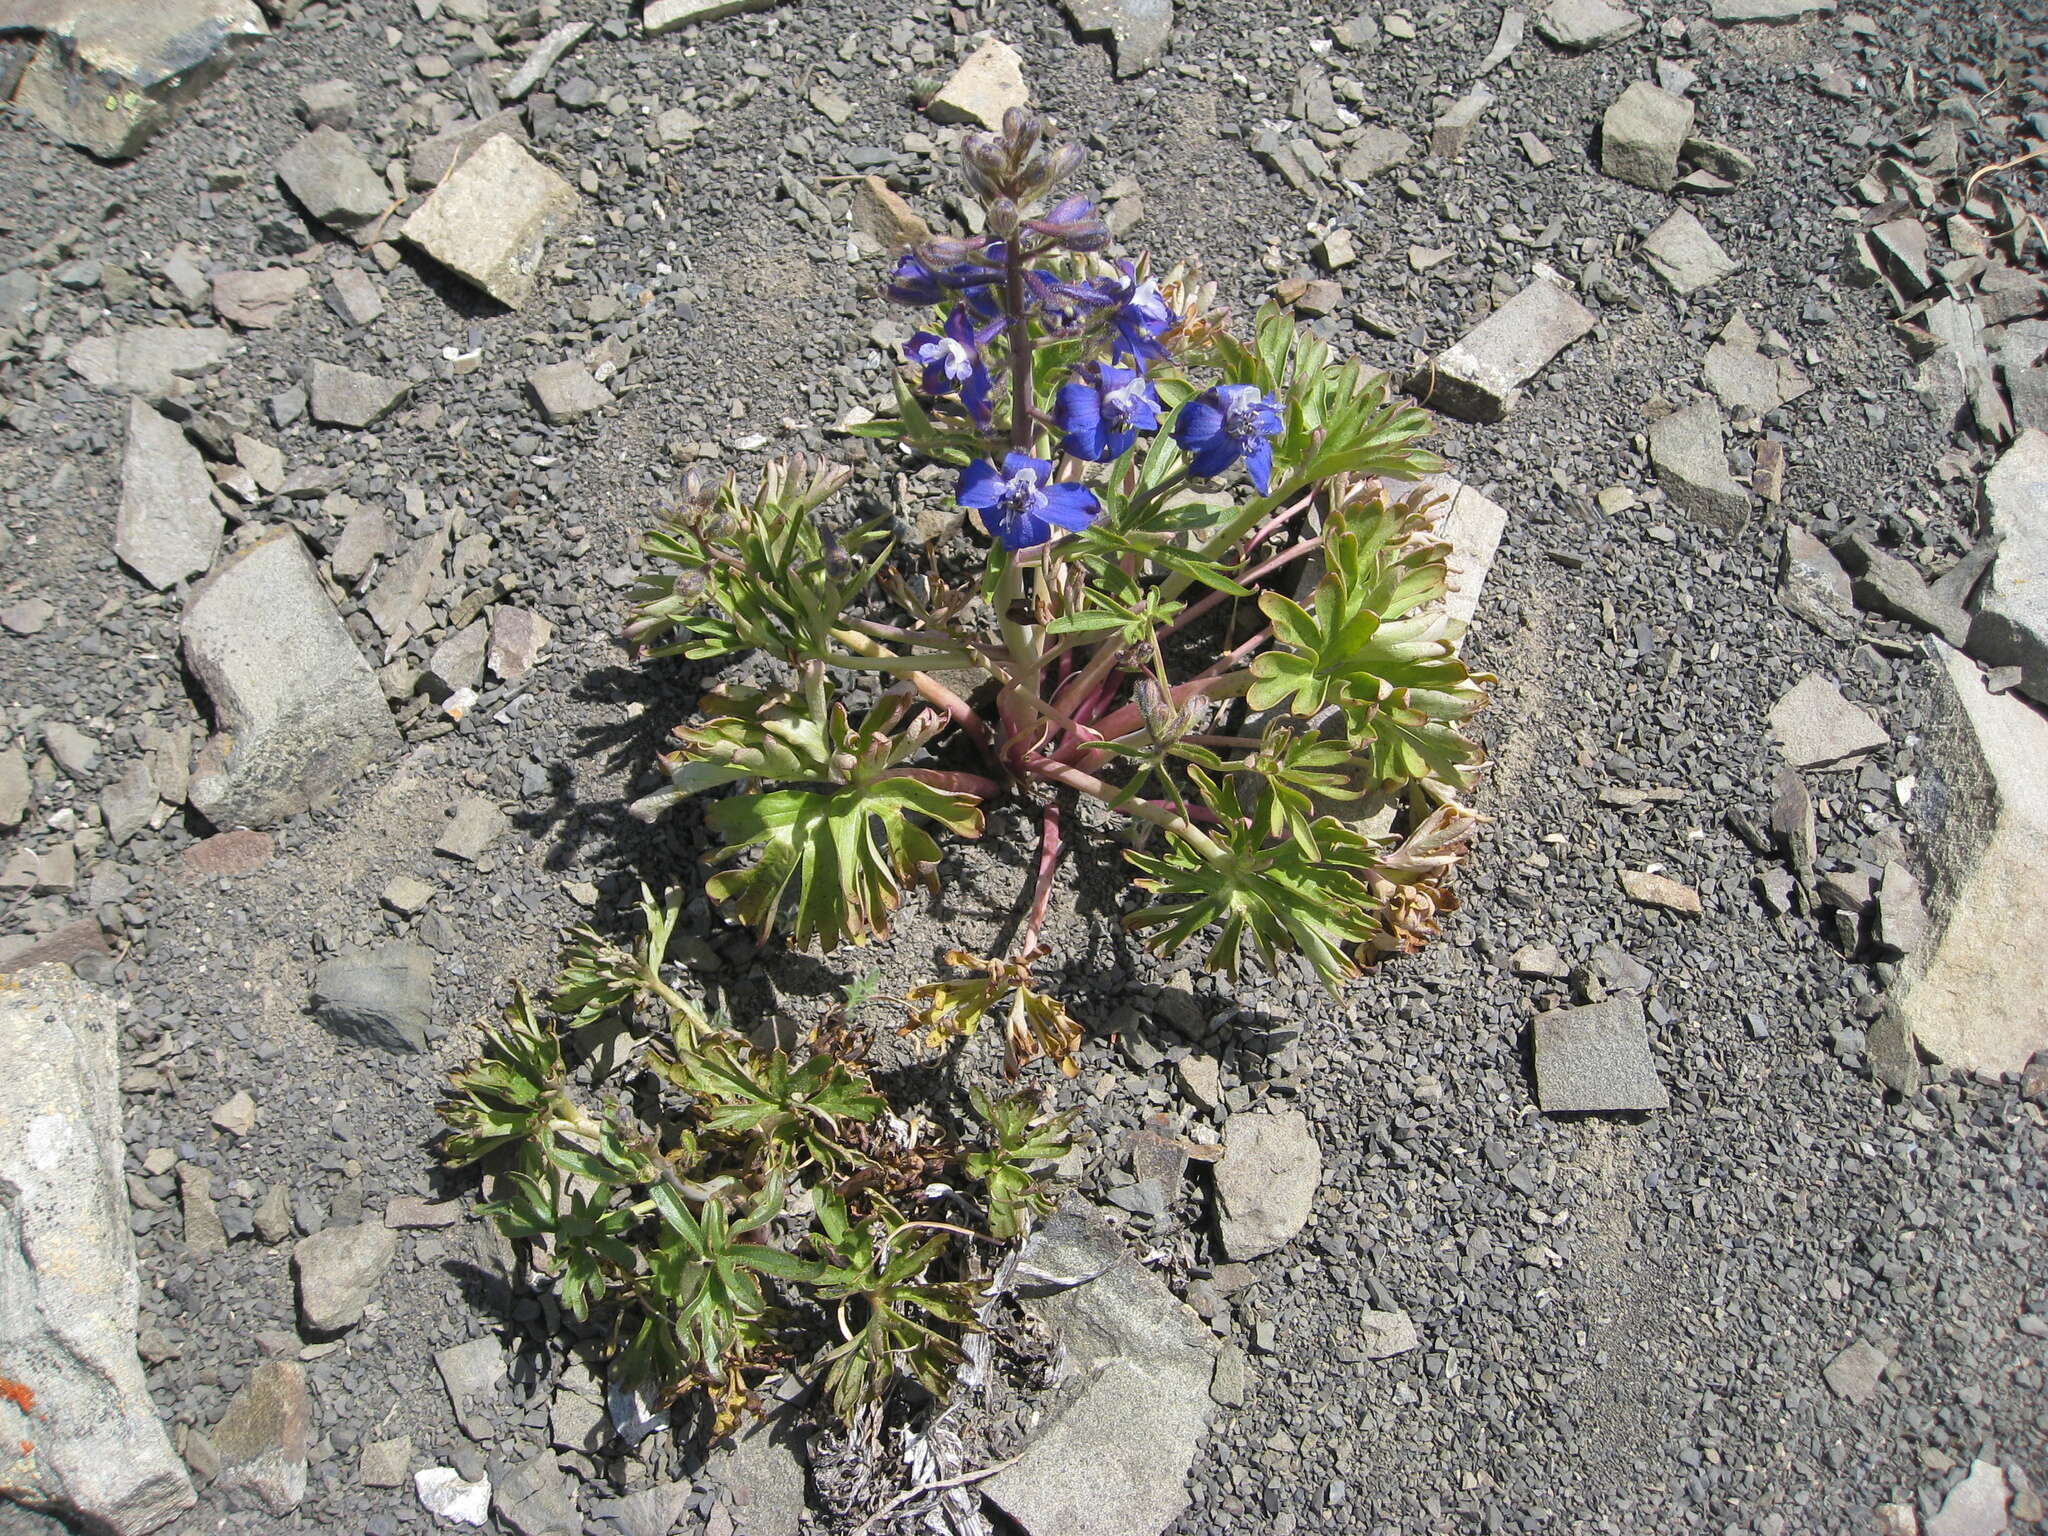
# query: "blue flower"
1103, 412
1021, 504
1136, 313
1226, 423
951, 360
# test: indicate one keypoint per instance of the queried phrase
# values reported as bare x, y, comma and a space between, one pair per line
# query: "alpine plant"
1209, 605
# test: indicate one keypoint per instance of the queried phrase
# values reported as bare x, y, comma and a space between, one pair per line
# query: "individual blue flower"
1226, 423
951, 359
1021, 503
1135, 312
1103, 411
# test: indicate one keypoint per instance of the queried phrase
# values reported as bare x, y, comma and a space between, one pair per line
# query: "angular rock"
68, 1285
1744, 378
533, 1499
1451, 134
1731, 12
16, 791
1642, 134
1266, 1181
1688, 449
566, 391
68, 944
1480, 376
444, 1492
351, 295
886, 218
1813, 584
328, 104
1387, 1334
1506, 40
228, 855
258, 300
1685, 255
1902, 924
396, 603
1978, 997
489, 220
333, 182
1579, 25
654, 1511
127, 804
476, 824
152, 360
1854, 1374
168, 528
342, 397
761, 1473
1377, 151
517, 639
384, 1463
298, 711
547, 53
1111, 1455
1977, 1506
264, 1438
383, 998
1646, 889
338, 1269
434, 159
2011, 625
108, 77
1817, 728
458, 661
1596, 1059
669, 15
365, 538
987, 84
1138, 29
1895, 588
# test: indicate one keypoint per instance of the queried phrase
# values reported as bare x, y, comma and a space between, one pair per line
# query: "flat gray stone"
2011, 625
264, 1439
68, 1286
1886, 584
1451, 134
1377, 151
109, 77
1691, 457
476, 824
385, 1463
1111, 1454
338, 1269
1384, 1335
433, 160
383, 997
333, 182
396, 603
1732, 12
1579, 25
328, 104
1642, 134
489, 220
566, 391
342, 397
458, 661
987, 84
533, 1499
168, 528
671, 15
1137, 29
297, 710
517, 639
1813, 584
760, 1471
17, 793
127, 804
1480, 376
654, 1511
1266, 1181
1688, 258
1596, 1059
547, 53
1977, 1506
1816, 727
257, 300
1977, 998
351, 295
1856, 1372
153, 360
365, 539
1744, 379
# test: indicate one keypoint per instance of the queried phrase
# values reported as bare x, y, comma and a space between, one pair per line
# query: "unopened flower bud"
1002, 217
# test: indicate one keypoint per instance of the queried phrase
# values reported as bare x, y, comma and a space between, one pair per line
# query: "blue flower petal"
1258, 465
1014, 464
1199, 424
980, 486
1078, 410
1070, 505
1023, 532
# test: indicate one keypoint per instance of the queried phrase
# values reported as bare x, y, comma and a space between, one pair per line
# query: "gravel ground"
1624, 1318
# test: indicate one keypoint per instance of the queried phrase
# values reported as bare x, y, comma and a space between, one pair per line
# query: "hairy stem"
1074, 778
952, 781
1051, 843
1023, 401
1196, 609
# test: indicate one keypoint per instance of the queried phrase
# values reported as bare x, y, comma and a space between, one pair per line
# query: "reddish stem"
1051, 844
952, 781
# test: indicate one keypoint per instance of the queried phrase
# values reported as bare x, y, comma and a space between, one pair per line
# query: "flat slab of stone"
490, 220
2011, 625
1978, 997
1733, 12
265, 1437
1596, 1059
333, 182
168, 528
1137, 29
1816, 727
1690, 453
1688, 258
1266, 1181
1642, 134
258, 300
1977, 1506
1578, 25
1111, 1455
1472, 524
383, 997
987, 84
338, 1269
566, 391
68, 1286
342, 397
297, 709
151, 360
1377, 151
1480, 376
670, 15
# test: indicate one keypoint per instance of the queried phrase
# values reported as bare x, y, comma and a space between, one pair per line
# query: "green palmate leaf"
797, 1115
598, 976
1023, 1139
1278, 895
1034, 1022
1297, 771
512, 1091
735, 575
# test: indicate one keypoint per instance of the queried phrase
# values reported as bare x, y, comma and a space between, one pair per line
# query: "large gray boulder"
1111, 1455
2011, 626
68, 1289
297, 710
1978, 999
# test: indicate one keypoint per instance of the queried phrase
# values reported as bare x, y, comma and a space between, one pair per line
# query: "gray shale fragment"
490, 220
264, 1439
1138, 29
2011, 625
342, 397
1685, 255
297, 711
152, 360
1579, 25
384, 997
107, 76
1266, 1181
670, 15
1817, 728
338, 1269
1112, 1453
1596, 1059
333, 182
68, 1285
1480, 376
168, 528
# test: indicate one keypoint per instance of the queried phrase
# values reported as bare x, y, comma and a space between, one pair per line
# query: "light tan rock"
987, 84
489, 222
